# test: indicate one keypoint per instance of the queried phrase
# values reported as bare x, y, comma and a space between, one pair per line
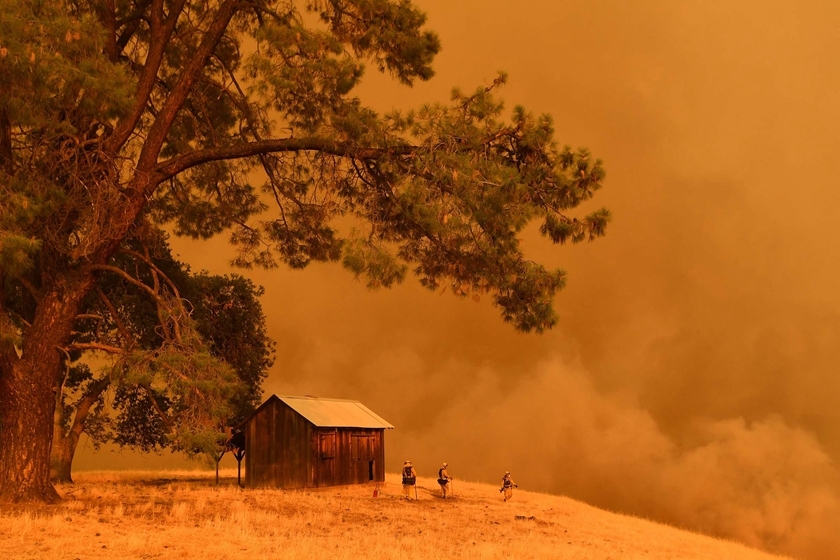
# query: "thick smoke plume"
764, 482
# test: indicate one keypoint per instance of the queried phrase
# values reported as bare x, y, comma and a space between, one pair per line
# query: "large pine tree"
118, 117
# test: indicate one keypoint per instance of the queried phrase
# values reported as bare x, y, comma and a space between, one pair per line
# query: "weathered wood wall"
284, 450
278, 448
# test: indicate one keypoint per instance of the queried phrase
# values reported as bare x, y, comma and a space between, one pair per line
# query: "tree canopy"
122, 117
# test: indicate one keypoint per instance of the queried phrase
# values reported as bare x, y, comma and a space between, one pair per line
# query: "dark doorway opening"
370, 470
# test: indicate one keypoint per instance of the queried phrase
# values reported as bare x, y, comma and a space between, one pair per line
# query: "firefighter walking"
445, 482
409, 479
507, 486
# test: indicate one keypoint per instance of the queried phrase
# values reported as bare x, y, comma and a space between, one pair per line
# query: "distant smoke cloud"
764, 483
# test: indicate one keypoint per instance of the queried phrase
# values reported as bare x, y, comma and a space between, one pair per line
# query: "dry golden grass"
182, 514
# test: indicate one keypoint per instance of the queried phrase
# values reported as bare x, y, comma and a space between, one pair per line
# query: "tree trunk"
239, 453
61, 458
27, 397
65, 442
26, 417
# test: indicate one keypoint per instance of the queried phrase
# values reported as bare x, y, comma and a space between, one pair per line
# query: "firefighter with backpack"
444, 480
507, 486
409, 479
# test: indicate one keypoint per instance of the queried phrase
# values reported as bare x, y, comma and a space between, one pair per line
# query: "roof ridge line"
335, 399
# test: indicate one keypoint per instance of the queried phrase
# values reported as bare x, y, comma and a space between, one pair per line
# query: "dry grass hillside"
184, 515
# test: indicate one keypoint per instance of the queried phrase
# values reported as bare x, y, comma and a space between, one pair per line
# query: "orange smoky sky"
693, 377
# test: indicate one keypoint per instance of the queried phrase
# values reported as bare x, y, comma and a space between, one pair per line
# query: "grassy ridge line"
182, 514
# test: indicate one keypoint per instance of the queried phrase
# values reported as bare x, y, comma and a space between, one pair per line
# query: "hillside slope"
184, 515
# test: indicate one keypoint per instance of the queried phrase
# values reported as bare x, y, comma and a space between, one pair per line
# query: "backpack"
441, 479
407, 477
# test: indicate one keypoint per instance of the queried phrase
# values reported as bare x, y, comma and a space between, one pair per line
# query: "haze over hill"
693, 375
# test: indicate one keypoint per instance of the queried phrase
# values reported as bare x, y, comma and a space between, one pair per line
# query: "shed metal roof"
335, 413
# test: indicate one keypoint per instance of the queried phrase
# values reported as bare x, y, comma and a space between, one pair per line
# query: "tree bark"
27, 397
26, 413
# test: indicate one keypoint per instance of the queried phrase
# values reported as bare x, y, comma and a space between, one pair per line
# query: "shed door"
326, 459
363, 454
326, 445
362, 447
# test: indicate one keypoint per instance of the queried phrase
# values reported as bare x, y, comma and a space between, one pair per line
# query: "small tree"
228, 317
119, 116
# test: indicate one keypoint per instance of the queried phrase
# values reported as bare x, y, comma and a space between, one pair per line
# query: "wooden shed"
309, 442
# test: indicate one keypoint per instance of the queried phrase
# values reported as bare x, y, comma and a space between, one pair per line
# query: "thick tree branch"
117, 319
89, 316
33, 291
130, 24
108, 15
192, 71
155, 292
127, 276
93, 393
146, 259
95, 346
169, 422
171, 167
161, 31
17, 316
